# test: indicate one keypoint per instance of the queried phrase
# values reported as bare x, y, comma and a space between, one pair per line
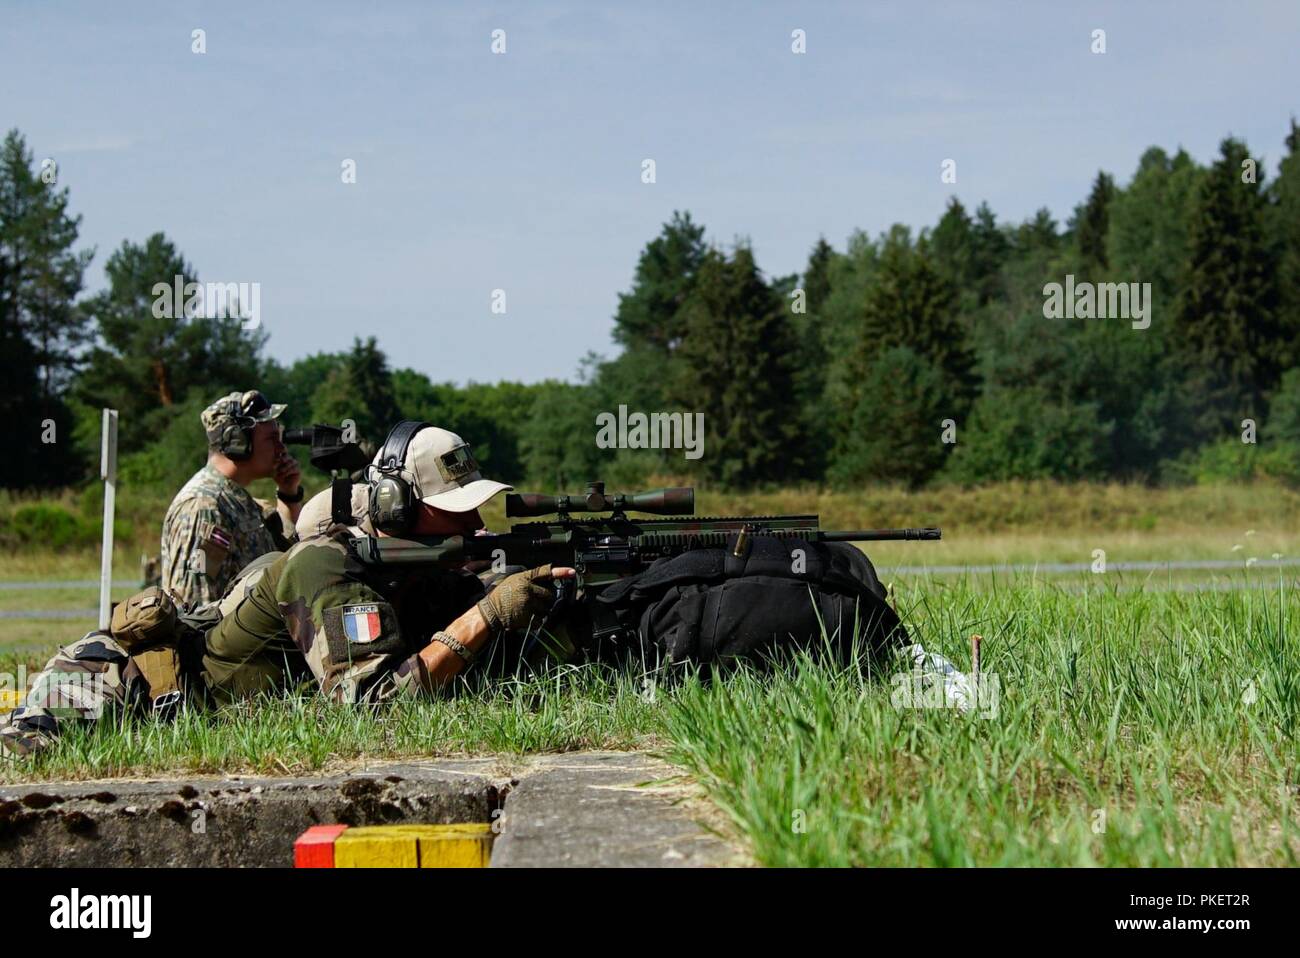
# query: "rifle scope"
662, 502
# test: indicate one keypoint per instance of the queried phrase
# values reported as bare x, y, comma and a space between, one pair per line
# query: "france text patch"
362, 623
356, 630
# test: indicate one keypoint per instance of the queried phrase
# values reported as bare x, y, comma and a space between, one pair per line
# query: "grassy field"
1156, 728
1134, 723
1014, 521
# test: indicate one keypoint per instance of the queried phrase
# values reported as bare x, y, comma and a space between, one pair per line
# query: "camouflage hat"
244, 409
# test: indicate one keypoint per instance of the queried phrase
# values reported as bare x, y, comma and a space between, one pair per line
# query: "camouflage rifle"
605, 548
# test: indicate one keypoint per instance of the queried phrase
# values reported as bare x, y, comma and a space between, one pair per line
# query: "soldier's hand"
288, 475
522, 599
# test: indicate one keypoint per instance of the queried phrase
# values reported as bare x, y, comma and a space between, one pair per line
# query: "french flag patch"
361, 622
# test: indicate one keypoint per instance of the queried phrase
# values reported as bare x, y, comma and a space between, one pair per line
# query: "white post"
108, 471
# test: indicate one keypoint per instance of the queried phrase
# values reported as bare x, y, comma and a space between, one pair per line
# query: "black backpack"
707, 606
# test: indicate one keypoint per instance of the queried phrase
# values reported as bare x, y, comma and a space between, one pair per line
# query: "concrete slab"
232, 821
607, 809
592, 809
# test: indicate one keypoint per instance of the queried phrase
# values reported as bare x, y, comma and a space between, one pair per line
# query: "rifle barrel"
929, 533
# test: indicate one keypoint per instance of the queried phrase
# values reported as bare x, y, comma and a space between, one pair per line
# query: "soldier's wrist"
293, 498
450, 641
490, 617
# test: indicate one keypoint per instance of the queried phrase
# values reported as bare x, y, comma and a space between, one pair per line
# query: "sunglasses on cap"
252, 403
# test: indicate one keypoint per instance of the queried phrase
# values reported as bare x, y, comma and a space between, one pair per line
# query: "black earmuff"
392, 508
236, 440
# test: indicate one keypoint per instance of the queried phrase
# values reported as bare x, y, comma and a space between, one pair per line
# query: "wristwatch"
456, 646
293, 499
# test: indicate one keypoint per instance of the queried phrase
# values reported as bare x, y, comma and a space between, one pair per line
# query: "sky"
522, 171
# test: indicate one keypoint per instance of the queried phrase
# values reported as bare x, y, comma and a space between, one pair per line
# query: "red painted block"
315, 847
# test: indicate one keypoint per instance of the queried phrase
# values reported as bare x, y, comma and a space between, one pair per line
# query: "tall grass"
1129, 728
1147, 729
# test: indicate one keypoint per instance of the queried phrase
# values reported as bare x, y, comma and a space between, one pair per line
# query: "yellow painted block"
414, 846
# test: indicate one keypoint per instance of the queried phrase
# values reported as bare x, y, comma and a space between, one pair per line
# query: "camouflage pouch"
146, 619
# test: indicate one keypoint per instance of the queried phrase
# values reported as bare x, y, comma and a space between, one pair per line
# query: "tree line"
908, 357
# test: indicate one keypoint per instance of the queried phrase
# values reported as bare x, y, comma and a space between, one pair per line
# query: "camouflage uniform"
313, 612
213, 528
80, 682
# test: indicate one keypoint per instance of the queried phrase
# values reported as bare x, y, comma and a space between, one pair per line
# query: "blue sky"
522, 171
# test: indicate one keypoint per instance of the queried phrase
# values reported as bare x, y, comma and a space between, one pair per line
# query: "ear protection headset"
236, 439
393, 505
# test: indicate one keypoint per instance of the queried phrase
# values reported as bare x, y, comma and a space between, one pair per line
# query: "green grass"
1121, 735
565, 710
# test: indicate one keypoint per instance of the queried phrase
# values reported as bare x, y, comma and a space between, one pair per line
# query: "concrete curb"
607, 809
582, 809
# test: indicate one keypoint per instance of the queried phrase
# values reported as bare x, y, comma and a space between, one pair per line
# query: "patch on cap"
457, 464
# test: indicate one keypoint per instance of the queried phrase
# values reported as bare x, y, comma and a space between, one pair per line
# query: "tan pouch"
147, 618
161, 670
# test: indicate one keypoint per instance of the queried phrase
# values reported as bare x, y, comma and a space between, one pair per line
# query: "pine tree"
43, 274
20, 405
41, 328
989, 251
151, 355
1150, 221
952, 245
1226, 319
649, 323
361, 389
1285, 231
737, 368
817, 276
909, 304
1092, 223
811, 330
1037, 235
894, 432
649, 315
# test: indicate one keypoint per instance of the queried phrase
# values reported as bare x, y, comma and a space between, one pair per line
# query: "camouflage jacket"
317, 612
212, 529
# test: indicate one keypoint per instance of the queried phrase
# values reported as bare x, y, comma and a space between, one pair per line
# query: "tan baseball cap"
443, 473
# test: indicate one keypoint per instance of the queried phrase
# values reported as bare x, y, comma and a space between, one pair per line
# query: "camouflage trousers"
84, 682
94, 678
